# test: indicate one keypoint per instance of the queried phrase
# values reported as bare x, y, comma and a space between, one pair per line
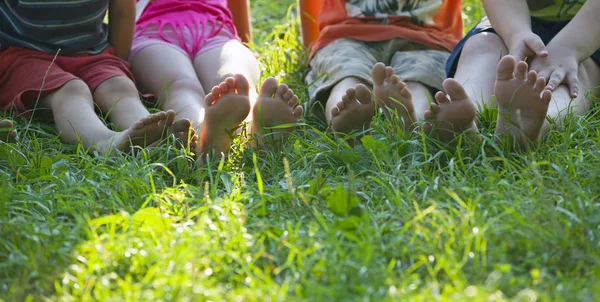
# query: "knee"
183, 83
119, 86
484, 44
75, 89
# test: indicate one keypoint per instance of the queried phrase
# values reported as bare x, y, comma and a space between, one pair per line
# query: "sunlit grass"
396, 218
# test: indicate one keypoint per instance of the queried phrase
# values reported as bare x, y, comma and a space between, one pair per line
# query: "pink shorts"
182, 39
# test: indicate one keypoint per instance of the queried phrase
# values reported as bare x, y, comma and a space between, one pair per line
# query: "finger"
573, 84
537, 46
555, 79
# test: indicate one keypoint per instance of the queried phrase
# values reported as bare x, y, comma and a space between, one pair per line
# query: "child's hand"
526, 44
560, 66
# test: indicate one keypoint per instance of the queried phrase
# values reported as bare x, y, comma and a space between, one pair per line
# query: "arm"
582, 34
570, 47
241, 18
512, 22
121, 26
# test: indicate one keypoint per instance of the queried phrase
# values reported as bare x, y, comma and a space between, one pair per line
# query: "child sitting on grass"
187, 52
59, 55
560, 41
360, 37
6, 132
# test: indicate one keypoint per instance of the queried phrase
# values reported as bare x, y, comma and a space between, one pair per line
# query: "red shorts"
22, 72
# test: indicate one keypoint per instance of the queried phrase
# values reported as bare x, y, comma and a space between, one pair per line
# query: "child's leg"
277, 102
471, 88
523, 104
5, 133
76, 120
169, 75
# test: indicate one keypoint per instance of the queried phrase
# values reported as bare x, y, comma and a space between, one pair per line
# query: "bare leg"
471, 88
215, 65
6, 133
522, 101
361, 110
173, 81
76, 120
119, 99
276, 105
226, 107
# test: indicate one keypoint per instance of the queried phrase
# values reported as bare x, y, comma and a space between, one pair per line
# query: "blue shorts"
546, 30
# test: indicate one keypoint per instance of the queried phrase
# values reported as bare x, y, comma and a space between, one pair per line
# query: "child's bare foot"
453, 114
6, 134
354, 112
392, 94
184, 133
141, 134
522, 101
227, 105
276, 106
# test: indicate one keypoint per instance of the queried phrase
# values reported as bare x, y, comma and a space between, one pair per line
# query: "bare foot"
522, 101
6, 134
392, 94
141, 134
354, 112
276, 111
227, 105
453, 114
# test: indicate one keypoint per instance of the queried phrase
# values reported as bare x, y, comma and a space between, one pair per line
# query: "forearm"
508, 17
121, 24
582, 34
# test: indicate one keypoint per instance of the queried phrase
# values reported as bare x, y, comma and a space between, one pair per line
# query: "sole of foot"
353, 113
275, 113
453, 114
6, 132
522, 101
143, 133
391, 94
227, 105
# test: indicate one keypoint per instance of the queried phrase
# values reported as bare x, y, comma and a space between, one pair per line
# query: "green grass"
395, 219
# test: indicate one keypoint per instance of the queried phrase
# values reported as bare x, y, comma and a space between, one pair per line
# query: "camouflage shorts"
350, 58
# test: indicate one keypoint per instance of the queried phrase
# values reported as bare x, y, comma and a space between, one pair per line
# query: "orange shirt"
434, 23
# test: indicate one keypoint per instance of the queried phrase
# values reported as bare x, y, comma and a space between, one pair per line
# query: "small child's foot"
453, 114
275, 107
354, 112
522, 101
184, 133
227, 105
6, 133
392, 94
141, 134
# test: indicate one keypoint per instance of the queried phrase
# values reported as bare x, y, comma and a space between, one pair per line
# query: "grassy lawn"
398, 218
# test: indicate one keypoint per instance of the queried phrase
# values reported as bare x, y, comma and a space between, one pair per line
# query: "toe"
389, 71
170, 117
394, 79
216, 92
268, 88
6, 124
531, 78
209, 99
342, 105
522, 70
293, 101
540, 84
335, 111
182, 125
298, 111
224, 88
427, 127
435, 108
241, 84
428, 114
455, 90
230, 84
441, 98
506, 67
288, 95
282, 90
546, 97
405, 92
363, 94
378, 73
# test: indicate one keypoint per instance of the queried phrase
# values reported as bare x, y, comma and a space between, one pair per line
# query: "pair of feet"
275, 113
520, 96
